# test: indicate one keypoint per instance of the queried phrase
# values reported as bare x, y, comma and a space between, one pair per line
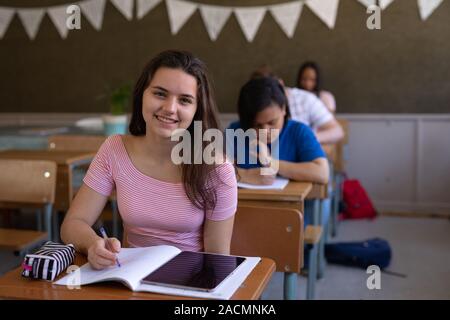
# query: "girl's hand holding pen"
103, 253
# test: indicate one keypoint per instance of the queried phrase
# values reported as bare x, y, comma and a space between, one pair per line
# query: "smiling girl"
191, 206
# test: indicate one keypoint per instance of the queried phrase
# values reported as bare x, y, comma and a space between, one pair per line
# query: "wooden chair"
75, 142
277, 233
83, 143
27, 183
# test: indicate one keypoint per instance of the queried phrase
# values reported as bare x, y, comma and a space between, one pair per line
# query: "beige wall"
403, 68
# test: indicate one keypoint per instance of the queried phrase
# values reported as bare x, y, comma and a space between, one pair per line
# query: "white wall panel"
434, 169
382, 155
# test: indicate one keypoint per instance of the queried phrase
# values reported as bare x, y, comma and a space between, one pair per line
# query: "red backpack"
357, 204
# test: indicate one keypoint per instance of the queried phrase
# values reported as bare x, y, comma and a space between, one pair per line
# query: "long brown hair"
195, 177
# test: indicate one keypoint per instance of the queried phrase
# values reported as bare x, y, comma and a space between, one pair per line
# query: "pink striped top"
155, 212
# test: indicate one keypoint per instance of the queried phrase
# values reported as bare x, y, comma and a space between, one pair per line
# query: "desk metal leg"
39, 219
321, 254
316, 212
55, 226
317, 221
290, 285
331, 193
312, 272
336, 200
48, 220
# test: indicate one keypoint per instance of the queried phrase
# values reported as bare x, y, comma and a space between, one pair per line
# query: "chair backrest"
27, 181
76, 142
275, 233
344, 125
340, 161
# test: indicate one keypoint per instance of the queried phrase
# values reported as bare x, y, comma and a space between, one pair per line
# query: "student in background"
188, 206
309, 78
263, 105
307, 108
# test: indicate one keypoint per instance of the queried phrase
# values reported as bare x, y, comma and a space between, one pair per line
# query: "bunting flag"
287, 16
59, 17
179, 12
384, 3
94, 10
250, 19
214, 18
31, 19
125, 7
144, 6
6, 15
427, 7
326, 10
368, 3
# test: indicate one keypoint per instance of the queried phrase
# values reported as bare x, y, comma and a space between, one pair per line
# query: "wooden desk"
14, 286
66, 161
292, 196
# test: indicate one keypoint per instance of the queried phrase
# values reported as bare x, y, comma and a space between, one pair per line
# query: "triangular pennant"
59, 17
287, 15
368, 3
427, 7
179, 12
125, 7
94, 10
6, 16
326, 10
214, 18
384, 3
250, 19
144, 6
31, 19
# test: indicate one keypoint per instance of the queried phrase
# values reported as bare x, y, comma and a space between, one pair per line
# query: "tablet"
195, 271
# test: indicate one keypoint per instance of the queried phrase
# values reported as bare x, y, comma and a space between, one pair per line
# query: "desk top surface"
294, 191
14, 286
59, 156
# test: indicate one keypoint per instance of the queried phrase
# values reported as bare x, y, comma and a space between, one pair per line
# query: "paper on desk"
136, 263
90, 123
278, 184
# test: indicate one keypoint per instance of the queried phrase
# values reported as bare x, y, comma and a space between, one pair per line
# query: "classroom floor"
420, 250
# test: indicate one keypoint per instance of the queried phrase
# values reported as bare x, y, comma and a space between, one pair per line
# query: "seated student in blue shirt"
262, 104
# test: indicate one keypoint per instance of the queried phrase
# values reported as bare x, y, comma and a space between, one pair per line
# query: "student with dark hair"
263, 105
191, 206
309, 78
307, 108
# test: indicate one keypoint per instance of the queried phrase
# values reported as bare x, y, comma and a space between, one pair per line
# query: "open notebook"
137, 263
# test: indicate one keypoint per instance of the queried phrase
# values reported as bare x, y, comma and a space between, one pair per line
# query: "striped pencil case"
49, 261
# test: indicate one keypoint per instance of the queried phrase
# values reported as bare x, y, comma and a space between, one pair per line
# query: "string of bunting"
287, 15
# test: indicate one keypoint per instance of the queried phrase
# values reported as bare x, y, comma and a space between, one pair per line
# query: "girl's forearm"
304, 171
78, 233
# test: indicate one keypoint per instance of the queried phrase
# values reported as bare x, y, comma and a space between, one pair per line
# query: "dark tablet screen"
194, 270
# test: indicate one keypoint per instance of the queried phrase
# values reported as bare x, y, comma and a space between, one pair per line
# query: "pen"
103, 232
